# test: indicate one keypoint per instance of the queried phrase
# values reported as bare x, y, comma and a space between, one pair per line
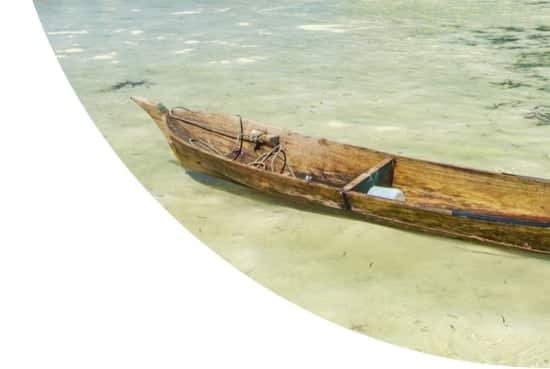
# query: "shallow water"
450, 81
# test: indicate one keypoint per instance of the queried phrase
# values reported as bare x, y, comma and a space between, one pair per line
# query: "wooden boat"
494, 208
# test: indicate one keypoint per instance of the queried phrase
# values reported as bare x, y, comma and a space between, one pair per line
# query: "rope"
240, 150
204, 145
182, 108
260, 162
252, 137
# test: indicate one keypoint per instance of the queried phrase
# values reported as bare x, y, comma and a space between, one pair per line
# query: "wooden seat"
381, 175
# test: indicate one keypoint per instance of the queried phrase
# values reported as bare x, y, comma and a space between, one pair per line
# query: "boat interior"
467, 192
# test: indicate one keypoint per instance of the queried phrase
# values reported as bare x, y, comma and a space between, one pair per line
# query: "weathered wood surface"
432, 190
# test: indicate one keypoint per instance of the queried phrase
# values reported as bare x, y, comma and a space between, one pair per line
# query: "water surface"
452, 81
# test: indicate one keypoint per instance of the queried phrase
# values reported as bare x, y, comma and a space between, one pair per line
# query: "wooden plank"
364, 176
447, 186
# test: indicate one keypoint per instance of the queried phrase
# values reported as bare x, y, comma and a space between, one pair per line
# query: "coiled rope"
261, 162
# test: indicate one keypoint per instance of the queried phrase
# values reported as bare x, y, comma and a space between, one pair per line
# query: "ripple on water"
187, 12
337, 124
73, 50
387, 128
65, 33
241, 60
183, 51
109, 56
335, 28
246, 60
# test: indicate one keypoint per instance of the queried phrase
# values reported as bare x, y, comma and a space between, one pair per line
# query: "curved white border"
95, 273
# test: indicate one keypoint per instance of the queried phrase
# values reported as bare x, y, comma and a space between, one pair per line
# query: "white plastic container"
386, 193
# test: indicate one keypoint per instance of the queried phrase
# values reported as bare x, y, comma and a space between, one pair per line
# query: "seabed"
451, 81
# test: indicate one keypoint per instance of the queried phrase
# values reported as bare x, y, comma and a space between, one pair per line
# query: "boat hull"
376, 210
525, 234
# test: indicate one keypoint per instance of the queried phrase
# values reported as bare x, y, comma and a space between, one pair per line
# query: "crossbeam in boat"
371, 174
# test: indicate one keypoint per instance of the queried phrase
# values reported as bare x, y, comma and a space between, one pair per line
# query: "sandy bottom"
438, 80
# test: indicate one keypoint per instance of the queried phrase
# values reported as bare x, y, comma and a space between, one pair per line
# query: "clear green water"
448, 80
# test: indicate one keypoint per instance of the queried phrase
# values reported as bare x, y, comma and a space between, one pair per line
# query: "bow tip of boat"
154, 109
143, 102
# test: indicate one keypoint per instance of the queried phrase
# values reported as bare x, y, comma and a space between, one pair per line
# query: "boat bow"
157, 112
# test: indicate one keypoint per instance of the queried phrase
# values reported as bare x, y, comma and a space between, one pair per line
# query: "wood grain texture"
432, 190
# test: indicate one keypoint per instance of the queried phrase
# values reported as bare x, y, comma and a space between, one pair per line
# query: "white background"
94, 273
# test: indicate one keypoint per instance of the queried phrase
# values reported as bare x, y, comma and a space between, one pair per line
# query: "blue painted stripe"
500, 219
